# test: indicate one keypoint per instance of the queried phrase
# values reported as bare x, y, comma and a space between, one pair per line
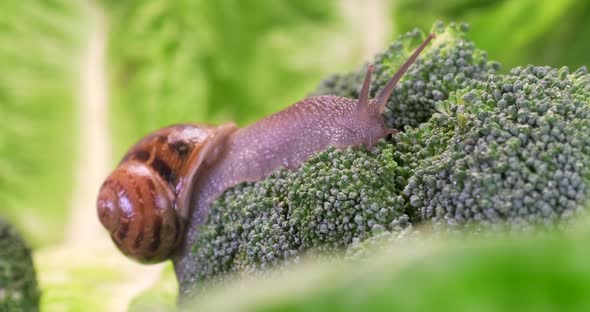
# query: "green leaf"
213, 61
516, 32
486, 274
39, 43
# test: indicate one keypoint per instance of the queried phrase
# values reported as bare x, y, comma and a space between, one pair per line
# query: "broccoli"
338, 197
500, 149
448, 65
18, 285
516, 149
334, 199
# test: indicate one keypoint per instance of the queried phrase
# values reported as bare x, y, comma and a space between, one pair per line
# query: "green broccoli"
332, 200
338, 197
448, 65
18, 285
517, 149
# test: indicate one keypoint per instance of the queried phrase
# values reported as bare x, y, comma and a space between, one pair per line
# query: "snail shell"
144, 202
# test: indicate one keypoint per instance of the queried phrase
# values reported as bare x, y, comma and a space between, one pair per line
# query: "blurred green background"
81, 80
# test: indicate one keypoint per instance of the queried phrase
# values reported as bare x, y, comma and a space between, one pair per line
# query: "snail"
168, 179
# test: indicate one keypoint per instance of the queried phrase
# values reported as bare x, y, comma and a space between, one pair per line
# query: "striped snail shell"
144, 202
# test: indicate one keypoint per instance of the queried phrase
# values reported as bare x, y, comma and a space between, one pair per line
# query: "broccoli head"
18, 285
449, 64
517, 149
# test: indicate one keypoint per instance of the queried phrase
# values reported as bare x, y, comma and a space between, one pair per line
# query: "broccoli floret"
336, 198
517, 149
18, 285
449, 64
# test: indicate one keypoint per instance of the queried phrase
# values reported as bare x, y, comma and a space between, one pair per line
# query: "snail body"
163, 187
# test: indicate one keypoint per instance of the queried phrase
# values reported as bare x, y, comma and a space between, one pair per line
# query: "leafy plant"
213, 61
517, 32
39, 48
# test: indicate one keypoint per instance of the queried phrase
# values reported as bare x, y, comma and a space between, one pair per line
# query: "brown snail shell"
144, 201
